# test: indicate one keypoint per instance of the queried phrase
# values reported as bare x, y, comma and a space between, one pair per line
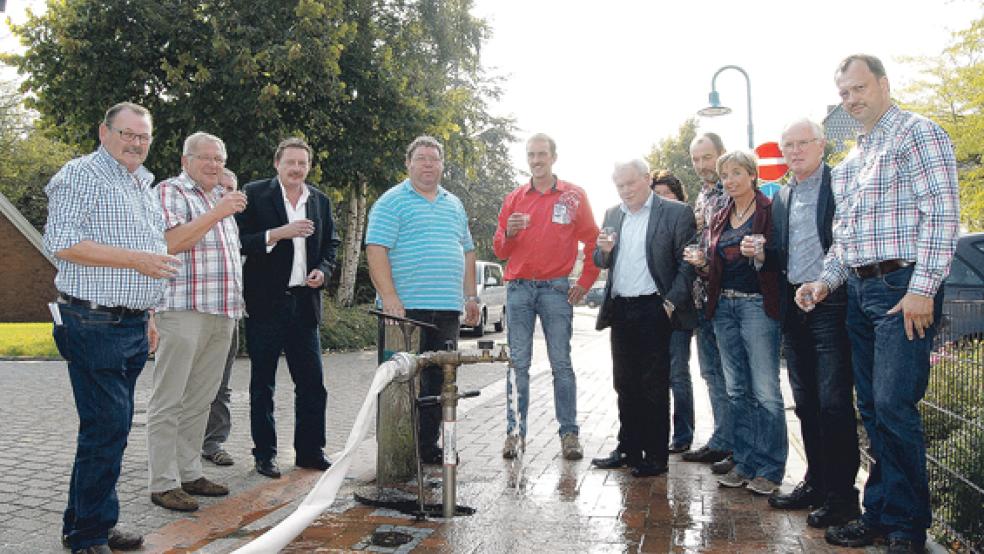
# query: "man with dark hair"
289, 240
818, 354
422, 263
107, 235
704, 153
895, 230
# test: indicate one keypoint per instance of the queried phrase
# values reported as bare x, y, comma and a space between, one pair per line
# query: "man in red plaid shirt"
196, 321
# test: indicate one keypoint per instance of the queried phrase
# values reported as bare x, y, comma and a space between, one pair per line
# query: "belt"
880, 268
645, 298
114, 310
729, 293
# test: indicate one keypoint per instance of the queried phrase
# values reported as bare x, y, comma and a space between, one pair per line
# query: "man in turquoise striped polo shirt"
422, 263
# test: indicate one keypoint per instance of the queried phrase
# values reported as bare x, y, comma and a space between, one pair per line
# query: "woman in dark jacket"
743, 303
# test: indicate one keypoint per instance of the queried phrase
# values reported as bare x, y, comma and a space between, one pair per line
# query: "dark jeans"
105, 355
891, 373
432, 376
709, 359
266, 338
682, 387
818, 357
640, 338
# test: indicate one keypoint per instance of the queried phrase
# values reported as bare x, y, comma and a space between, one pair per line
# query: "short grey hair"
638, 164
744, 159
424, 141
546, 138
814, 126
195, 139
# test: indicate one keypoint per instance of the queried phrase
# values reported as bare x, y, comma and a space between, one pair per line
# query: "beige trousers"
188, 369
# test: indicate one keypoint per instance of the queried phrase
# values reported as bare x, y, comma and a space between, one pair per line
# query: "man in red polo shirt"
540, 226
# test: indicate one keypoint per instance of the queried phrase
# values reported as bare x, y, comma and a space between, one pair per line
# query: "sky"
609, 79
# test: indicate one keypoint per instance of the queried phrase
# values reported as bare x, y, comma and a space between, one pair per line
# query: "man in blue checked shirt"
422, 263
895, 230
107, 235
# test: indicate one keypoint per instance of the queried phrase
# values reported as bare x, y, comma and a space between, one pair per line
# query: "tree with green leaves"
951, 92
673, 154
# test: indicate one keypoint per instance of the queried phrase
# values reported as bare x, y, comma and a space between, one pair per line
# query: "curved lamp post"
716, 109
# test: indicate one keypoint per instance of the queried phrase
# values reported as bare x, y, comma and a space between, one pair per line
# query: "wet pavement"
541, 503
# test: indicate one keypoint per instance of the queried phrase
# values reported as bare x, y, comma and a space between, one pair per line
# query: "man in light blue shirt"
422, 263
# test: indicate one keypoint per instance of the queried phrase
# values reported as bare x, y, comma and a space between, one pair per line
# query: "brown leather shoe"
174, 499
118, 540
204, 487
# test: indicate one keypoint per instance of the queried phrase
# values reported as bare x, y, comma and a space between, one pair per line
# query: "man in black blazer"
816, 345
646, 294
289, 240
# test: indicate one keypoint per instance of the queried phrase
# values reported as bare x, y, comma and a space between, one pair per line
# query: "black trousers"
266, 338
432, 376
818, 356
640, 338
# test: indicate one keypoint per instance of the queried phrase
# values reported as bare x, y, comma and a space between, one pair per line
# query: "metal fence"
953, 420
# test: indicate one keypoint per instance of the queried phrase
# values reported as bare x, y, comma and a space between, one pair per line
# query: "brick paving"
541, 504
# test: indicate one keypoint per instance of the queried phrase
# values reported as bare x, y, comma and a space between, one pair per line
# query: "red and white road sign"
772, 166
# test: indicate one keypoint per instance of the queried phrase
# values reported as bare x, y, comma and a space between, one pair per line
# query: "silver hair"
814, 126
638, 164
425, 141
191, 143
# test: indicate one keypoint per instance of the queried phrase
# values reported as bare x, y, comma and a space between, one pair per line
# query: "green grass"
31, 340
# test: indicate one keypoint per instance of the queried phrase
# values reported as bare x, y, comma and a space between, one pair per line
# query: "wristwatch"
472, 299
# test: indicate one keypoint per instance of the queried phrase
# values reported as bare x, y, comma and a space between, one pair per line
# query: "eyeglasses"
426, 159
129, 136
219, 160
801, 144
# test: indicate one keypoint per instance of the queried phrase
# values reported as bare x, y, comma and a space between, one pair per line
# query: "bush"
348, 328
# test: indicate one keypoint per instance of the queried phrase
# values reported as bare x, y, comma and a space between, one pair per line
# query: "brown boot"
174, 499
204, 487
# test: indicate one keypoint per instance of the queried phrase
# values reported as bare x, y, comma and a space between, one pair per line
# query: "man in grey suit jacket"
648, 290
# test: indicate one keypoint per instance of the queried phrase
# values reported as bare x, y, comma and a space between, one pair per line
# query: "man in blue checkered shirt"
107, 235
895, 230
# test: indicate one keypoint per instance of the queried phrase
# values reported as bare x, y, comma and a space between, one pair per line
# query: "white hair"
638, 164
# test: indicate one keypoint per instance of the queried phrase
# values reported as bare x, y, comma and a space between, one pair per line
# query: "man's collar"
816, 175
556, 185
885, 122
283, 190
408, 187
142, 175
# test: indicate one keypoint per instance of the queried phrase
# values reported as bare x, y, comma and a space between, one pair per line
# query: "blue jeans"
711, 371
682, 388
266, 338
891, 373
748, 340
525, 300
105, 355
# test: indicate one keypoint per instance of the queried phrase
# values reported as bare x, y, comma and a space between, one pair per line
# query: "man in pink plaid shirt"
196, 321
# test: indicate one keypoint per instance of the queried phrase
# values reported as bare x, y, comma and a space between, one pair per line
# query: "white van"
492, 297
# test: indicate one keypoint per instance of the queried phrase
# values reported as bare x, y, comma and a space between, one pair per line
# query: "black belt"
880, 268
645, 298
114, 310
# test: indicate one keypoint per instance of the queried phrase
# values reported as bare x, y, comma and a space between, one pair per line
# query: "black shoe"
317, 461
905, 546
647, 469
800, 498
705, 455
678, 448
268, 468
118, 540
831, 514
853, 534
97, 549
724, 466
616, 460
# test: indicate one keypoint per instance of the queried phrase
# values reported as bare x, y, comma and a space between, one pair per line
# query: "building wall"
27, 278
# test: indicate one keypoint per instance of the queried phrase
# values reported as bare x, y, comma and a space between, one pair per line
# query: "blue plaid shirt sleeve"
70, 193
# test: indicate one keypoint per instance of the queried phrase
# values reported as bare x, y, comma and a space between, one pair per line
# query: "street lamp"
716, 109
